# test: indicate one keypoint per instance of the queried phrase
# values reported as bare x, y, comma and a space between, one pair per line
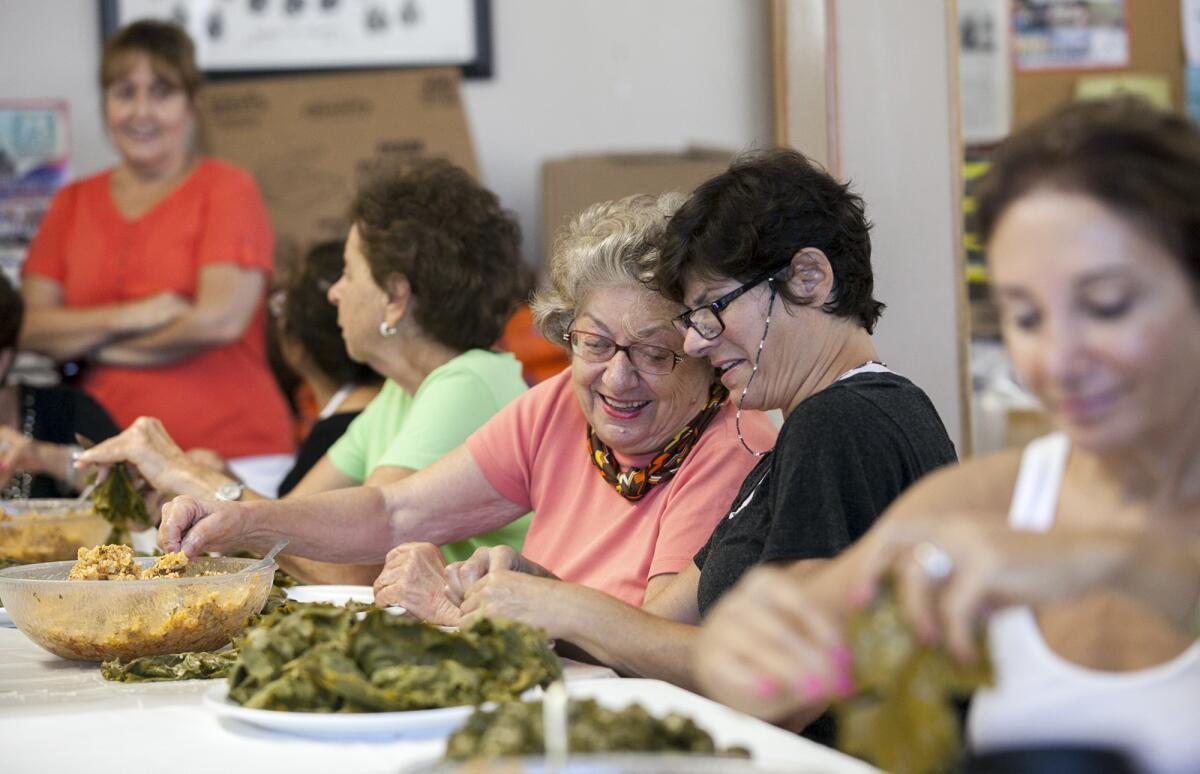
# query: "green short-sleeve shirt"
412, 431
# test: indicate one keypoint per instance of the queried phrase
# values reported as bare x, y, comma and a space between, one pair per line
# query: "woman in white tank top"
1081, 554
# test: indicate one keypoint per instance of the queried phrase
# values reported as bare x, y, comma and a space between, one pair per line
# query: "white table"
58, 716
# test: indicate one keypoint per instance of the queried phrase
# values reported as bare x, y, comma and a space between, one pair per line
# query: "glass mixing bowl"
49, 530
100, 620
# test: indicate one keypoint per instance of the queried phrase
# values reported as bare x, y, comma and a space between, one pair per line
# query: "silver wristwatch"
230, 492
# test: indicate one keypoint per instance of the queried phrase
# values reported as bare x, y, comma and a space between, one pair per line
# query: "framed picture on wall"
256, 37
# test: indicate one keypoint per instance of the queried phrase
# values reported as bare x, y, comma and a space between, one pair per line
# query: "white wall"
571, 76
896, 134
50, 49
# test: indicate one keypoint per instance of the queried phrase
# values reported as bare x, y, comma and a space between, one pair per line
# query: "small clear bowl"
48, 530
88, 620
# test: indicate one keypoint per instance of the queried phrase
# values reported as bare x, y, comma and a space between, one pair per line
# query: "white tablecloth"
60, 716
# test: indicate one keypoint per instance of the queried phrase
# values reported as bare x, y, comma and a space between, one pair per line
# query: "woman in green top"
432, 273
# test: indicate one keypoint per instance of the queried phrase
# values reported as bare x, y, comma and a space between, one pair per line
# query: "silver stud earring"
386, 331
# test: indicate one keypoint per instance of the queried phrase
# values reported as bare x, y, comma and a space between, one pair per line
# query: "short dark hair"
750, 220
1141, 162
12, 309
171, 52
309, 317
457, 247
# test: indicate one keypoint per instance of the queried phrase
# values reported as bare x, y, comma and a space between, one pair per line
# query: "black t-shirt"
315, 444
58, 414
841, 458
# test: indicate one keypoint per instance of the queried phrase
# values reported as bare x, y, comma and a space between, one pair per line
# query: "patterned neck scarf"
634, 483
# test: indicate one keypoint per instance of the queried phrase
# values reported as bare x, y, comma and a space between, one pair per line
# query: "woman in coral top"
155, 271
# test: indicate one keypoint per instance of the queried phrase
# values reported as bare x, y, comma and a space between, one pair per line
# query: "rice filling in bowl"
172, 606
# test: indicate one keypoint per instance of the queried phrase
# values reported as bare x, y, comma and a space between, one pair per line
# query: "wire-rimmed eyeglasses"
706, 319
646, 358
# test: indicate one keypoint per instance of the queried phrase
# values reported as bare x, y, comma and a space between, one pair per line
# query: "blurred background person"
38, 425
155, 272
310, 344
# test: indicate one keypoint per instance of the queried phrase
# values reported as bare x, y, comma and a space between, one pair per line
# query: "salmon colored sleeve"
237, 228
48, 252
506, 447
709, 481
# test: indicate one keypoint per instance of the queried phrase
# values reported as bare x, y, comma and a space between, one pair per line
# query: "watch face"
229, 492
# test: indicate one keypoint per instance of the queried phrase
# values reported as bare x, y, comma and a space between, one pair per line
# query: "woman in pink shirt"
627, 458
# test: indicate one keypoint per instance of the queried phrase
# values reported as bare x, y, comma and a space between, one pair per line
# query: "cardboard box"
309, 140
572, 184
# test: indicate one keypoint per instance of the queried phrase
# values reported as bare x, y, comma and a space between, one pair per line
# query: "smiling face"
632, 412
1101, 321
361, 303
148, 117
795, 337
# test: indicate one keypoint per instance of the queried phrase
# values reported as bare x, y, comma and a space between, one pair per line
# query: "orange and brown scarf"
634, 483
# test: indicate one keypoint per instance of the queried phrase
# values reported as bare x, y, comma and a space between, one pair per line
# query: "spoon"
270, 557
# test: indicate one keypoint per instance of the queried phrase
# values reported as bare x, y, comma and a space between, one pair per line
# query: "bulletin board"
1155, 48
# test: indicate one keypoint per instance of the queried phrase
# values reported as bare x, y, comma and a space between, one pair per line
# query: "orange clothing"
223, 398
539, 358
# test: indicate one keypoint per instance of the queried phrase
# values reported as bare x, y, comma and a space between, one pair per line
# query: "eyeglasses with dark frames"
647, 358
706, 319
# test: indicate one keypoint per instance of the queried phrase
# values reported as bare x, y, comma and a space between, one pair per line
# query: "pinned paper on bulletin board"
34, 163
1190, 16
1192, 89
984, 70
1154, 88
1071, 34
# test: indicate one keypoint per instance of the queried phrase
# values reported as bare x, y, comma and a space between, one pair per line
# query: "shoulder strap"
1035, 497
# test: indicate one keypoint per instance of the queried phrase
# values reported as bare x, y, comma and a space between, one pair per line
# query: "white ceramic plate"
356, 725
338, 595
335, 595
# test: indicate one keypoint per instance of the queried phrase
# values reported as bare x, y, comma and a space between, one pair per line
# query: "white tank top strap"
1035, 497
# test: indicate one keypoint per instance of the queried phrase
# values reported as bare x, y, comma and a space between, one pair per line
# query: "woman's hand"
152, 312
146, 445
461, 576
773, 645
953, 571
16, 453
194, 526
536, 601
414, 577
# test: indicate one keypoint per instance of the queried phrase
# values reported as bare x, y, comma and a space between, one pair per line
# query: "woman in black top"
773, 259
311, 345
38, 425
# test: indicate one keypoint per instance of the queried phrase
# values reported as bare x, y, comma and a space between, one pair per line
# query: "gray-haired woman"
622, 456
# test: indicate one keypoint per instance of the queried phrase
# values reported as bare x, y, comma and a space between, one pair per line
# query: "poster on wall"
984, 72
34, 155
1070, 34
257, 36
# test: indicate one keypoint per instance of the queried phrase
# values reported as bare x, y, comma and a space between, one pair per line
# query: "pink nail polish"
843, 685
812, 687
765, 687
842, 658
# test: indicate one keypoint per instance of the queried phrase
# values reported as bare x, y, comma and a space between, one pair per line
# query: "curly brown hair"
450, 238
171, 53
